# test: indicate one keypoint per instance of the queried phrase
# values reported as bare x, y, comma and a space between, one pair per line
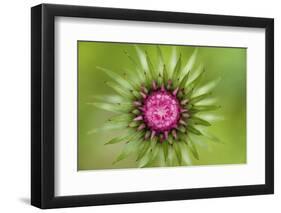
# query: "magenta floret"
161, 111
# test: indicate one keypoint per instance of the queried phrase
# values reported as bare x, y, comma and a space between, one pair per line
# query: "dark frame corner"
42, 105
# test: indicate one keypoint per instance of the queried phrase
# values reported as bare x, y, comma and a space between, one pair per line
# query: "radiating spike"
183, 110
138, 118
143, 95
142, 126
162, 88
180, 93
174, 133
169, 84
141, 108
161, 138
175, 91
136, 111
184, 91
185, 101
181, 129
132, 124
135, 93
144, 89
185, 115
154, 85
147, 134
183, 122
166, 133
137, 103
152, 134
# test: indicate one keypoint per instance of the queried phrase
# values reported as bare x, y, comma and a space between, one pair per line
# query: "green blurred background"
229, 63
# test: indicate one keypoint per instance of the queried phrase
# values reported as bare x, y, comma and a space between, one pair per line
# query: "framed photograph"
139, 106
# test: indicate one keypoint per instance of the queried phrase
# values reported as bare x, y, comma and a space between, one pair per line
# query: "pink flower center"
161, 111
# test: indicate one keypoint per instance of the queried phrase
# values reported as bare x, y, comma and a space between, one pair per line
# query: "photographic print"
151, 105
149, 96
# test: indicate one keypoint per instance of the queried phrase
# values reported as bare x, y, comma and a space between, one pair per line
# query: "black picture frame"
43, 111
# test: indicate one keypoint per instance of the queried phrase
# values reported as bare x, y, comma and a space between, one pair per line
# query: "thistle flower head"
161, 111
159, 108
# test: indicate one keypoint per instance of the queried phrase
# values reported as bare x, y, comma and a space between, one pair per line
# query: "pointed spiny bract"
169, 84
162, 88
185, 101
166, 134
174, 133
152, 134
141, 108
142, 126
136, 112
184, 110
185, 115
161, 137
137, 103
180, 93
181, 129
154, 85
143, 95
182, 122
144, 89
132, 124
138, 118
147, 134
175, 91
